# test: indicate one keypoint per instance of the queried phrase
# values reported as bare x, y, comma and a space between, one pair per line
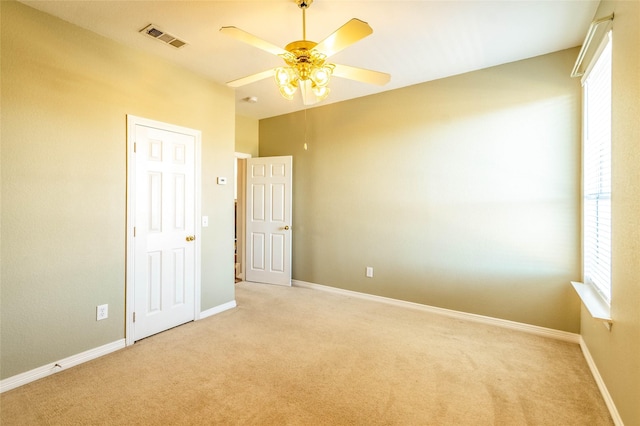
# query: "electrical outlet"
102, 312
369, 272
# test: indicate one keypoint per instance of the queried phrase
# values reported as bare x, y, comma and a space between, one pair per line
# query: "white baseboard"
63, 364
617, 420
217, 309
55, 367
527, 328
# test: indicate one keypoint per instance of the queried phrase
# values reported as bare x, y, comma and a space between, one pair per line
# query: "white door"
268, 219
165, 227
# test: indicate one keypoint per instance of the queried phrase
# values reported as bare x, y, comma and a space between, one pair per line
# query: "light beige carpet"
293, 356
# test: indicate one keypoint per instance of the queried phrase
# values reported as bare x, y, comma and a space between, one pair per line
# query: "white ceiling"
414, 41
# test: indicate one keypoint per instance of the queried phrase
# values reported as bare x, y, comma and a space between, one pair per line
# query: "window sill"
595, 304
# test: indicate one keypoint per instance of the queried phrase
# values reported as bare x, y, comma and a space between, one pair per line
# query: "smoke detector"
153, 31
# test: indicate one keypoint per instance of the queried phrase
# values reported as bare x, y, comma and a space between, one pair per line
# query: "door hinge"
135, 145
134, 317
134, 231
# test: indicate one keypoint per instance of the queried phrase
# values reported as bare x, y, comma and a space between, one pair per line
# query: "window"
596, 171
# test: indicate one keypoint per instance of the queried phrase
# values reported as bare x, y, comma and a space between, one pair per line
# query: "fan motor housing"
301, 50
300, 45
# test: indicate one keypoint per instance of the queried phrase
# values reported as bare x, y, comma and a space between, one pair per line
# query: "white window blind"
597, 173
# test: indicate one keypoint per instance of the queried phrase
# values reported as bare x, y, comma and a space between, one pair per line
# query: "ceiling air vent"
154, 32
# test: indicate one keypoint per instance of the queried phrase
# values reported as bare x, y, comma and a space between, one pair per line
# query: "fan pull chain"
305, 130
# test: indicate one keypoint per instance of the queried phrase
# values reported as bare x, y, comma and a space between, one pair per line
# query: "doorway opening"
240, 168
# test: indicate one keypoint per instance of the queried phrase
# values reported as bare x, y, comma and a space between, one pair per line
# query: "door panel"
268, 234
278, 246
258, 250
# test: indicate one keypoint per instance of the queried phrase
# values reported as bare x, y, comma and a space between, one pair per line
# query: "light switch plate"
222, 180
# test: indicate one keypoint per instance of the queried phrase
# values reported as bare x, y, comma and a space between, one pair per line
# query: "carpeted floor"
293, 356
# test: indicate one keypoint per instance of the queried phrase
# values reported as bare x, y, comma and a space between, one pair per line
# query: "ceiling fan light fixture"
317, 73
288, 90
284, 76
321, 75
321, 92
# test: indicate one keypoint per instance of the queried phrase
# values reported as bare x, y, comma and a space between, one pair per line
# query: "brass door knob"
191, 237
286, 227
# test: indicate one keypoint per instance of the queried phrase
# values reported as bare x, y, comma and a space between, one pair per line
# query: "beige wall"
247, 135
462, 193
617, 353
65, 96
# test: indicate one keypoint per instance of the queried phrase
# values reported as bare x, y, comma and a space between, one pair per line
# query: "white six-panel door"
268, 219
164, 217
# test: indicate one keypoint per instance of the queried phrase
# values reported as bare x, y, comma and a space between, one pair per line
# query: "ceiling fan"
306, 67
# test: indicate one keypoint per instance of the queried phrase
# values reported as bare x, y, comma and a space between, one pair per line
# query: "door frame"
132, 121
241, 202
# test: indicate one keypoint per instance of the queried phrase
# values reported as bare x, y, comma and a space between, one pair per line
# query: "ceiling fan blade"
361, 74
343, 37
245, 37
250, 79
